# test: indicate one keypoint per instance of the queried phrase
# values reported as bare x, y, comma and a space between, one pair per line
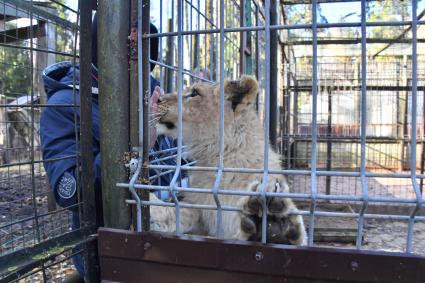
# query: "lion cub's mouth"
168, 124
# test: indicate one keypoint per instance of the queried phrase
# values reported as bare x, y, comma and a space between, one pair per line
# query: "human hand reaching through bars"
154, 115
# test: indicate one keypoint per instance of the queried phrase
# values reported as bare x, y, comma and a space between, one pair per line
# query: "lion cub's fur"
243, 148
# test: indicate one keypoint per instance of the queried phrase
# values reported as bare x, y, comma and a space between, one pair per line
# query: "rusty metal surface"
127, 256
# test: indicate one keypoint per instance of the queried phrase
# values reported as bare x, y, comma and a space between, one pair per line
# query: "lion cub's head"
201, 110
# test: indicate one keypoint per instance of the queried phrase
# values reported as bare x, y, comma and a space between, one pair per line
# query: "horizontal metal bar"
284, 27
299, 212
37, 105
243, 192
40, 215
289, 172
38, 50
354, 87
350, 41
37, 161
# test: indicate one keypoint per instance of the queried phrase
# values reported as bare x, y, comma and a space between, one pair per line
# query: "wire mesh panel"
347, 104
35, 239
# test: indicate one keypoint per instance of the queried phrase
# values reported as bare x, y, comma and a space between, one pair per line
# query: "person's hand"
154, 115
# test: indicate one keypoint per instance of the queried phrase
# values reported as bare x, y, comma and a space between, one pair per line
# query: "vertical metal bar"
91, 264
248, 37
419, 200
266, 123
314, 128
37, 226
423, 143
173, 183
329, 142
161, 71
136, 111
221, 126
198, 39
144, 98
114, 87
134, 95
86, 140
169, 59
273, 75
363, 125
242, 45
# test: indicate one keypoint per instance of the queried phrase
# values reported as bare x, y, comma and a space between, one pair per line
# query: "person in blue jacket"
58, 136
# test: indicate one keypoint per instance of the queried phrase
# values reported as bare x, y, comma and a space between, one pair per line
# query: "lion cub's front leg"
163, 218
281, 227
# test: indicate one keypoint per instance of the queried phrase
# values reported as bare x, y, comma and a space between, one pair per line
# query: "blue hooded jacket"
58, 135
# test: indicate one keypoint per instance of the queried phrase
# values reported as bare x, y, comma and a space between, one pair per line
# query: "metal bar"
273, 74
37, 161
363, 131
220, 165
422, 169
398, 38
350, 41
289, 27
32, 168
169, 58
329, 143
289, 172
114, 86
37, 49
41, 215
241, 192
314, 128
391, 217
89, 217
266, 124
173, 183
413, 134
144, 102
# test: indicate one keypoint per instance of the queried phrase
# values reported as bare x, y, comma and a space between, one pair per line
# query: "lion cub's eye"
193, 93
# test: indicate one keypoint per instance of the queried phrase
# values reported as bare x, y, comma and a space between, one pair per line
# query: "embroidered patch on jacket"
67, 186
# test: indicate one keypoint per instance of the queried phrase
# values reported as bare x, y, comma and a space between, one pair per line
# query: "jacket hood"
61, 76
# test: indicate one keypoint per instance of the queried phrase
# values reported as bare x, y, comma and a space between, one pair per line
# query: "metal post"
144, 24
273, 74
114, 89
91, 264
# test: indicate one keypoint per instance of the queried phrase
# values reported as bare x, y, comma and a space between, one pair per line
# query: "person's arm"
59, 148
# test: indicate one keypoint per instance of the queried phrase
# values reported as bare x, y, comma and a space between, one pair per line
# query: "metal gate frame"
128, 256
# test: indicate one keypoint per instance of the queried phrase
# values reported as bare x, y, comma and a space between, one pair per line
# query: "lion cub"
244, 148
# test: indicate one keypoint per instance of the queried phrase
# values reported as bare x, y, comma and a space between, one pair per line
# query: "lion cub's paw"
281, 227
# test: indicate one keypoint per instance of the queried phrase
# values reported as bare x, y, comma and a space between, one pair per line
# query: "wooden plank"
127, 256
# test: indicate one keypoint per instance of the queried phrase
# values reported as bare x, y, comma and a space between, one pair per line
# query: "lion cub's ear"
242, 91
